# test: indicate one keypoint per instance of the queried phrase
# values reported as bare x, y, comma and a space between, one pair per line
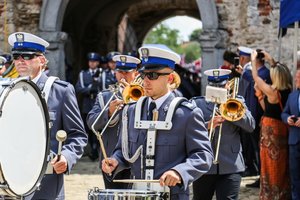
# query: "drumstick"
103, 149
61, 136
135, 181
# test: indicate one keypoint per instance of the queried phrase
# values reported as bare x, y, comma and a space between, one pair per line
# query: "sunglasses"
152, 75
25, 56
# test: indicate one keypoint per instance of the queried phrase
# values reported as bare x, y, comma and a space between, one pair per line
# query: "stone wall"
18, 15
252, 23
255, 23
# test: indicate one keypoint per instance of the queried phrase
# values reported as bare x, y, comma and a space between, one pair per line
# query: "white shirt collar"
37, 78
160, 100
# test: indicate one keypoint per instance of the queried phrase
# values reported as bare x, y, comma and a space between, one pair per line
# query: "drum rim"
47, 119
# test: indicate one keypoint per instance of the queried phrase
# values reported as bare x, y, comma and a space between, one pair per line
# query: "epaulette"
62, 83
198, 97
188, 104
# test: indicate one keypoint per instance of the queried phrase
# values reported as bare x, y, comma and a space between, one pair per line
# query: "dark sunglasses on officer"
152, 75
25, 55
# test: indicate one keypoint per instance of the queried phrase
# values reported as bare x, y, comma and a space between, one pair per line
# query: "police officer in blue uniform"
224, 177
125, 71
90, 82
182, 149
110, 72
28, 53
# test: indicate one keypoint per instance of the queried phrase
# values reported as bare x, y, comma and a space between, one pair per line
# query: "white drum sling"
24, 133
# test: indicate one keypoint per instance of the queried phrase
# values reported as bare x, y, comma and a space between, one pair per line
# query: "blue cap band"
122, 64
244, 53
217, 78
159, 61
29, 45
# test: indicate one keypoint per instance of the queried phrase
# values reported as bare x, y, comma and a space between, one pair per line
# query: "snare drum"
123, 194
24, 133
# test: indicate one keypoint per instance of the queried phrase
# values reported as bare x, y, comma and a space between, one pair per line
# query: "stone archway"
53, 15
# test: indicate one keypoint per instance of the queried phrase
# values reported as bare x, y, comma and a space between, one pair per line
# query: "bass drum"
24, 133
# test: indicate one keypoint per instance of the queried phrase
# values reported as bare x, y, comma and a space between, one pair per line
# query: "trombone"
131, 92
231, 110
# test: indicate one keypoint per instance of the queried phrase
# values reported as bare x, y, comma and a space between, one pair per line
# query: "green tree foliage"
192, 51
162, 34
195, 35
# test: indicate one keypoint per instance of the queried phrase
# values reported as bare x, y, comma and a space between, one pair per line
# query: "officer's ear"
43, 60
171, 78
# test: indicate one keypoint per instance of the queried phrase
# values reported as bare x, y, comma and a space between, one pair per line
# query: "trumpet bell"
132, 93
232, 110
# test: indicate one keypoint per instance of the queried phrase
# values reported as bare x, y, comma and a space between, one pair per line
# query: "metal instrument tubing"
101, 113
216, 159
112, 116
211, 123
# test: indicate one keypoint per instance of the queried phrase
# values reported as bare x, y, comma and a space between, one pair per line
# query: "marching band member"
125, 71
8, 70
28, 52
224, 177
177, 151
90, 82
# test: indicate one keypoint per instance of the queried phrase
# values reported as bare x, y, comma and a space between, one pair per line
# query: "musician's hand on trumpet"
217, 121
115, 104
109, 165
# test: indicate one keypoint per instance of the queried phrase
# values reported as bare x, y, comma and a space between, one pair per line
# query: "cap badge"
123, 59
19, 37
145, 54
216, 73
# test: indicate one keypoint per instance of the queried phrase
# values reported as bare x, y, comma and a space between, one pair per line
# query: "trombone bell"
232, 110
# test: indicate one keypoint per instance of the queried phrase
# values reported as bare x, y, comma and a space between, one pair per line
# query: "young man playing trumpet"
125, 74
224, 177
174, 153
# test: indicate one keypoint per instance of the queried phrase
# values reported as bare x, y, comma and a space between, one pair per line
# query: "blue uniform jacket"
292, 108
185, 148
64, 115
230, 152
88, 86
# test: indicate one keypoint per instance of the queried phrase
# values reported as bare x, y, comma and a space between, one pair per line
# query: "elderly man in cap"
125, 74
28, 52
175, 151
224, 177
90, 82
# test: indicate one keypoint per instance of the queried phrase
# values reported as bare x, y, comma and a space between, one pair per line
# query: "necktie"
150, 110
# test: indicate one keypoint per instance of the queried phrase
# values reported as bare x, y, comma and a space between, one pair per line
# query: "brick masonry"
252, 23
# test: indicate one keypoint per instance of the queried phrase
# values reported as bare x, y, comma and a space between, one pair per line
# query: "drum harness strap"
48, 85
46, 91
152, 127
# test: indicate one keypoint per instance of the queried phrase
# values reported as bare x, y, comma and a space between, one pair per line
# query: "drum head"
24, 136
